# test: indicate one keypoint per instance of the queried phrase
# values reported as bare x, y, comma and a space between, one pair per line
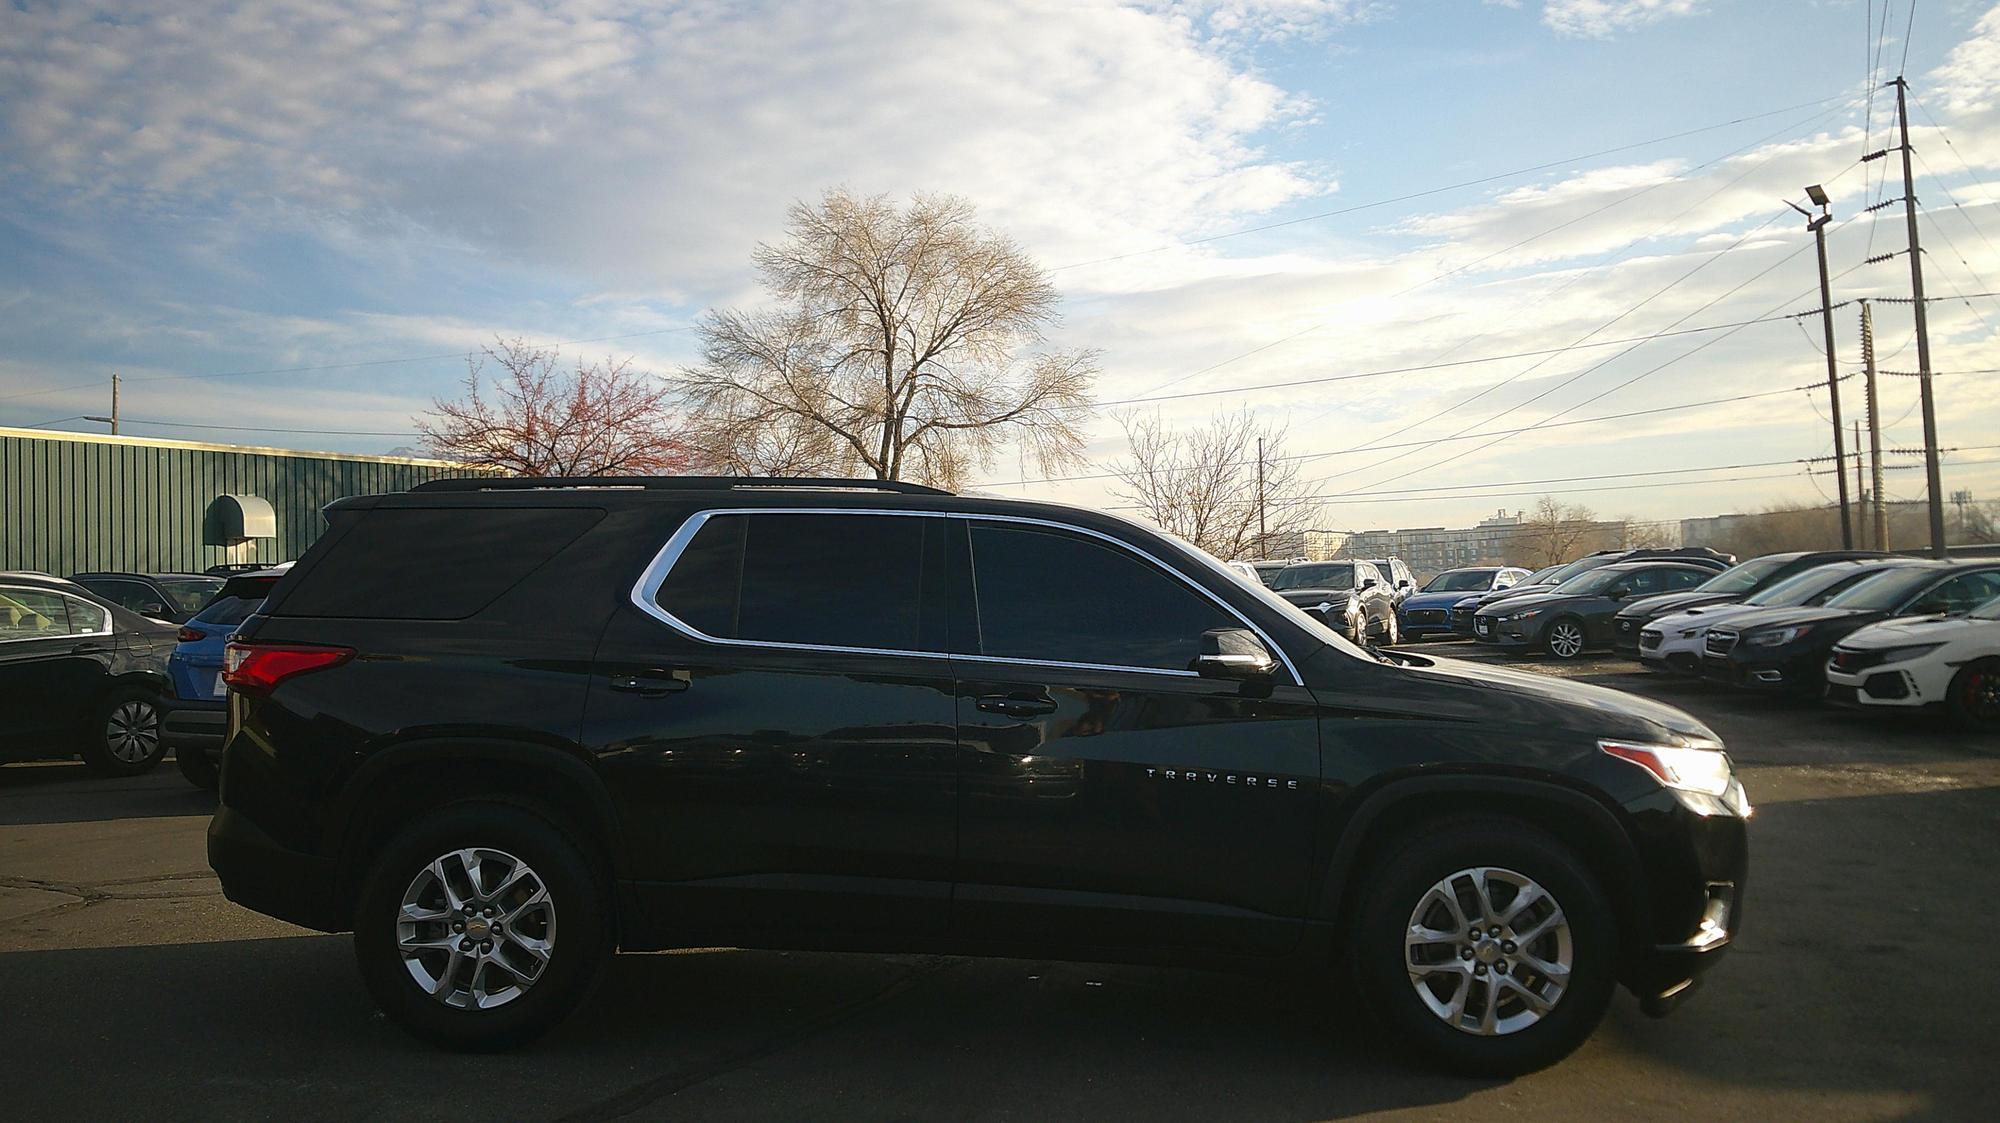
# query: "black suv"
1353, 598
499, 728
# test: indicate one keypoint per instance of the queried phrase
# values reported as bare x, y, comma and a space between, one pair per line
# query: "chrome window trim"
646, 590
104, 631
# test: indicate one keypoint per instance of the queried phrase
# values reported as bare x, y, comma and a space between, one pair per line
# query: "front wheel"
1974, 695
481, 926
123, 736
1565, 638
1486, 946
1395, 632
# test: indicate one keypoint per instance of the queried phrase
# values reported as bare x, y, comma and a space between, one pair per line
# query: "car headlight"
1690, 633
1907, 651
1704, 771
1777, 637
1524, 614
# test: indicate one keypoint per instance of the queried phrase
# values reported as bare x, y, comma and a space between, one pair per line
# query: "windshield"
1884, 590
1540, 576
1594, 581
1743, 578
1338, 575
228, 611
1460, 581
189, 593
1580, 565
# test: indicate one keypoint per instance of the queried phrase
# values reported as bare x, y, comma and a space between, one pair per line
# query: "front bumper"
1774, 672
1666, 970
1505, 633
265, 877
1890, 686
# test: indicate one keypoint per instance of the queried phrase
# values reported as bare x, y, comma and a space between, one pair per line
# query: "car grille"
1717, 641
1426, 615
1849, 659
1649, 639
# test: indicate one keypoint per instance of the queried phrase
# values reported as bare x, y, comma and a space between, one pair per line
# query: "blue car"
197, 714
1427, 612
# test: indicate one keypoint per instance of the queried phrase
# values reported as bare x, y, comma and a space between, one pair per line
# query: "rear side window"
1053, 597
828, 580
434, 563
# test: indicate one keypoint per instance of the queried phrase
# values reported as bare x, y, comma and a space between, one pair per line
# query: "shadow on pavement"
68, 792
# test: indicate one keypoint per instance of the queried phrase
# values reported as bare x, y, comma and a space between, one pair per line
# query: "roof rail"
669, 483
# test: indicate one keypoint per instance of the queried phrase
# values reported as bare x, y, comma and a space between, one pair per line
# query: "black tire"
1382, 917
197, 769
579, 931
122, 735
1556, 640
1973, 699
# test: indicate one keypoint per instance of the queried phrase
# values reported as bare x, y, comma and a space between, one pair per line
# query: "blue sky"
229, 188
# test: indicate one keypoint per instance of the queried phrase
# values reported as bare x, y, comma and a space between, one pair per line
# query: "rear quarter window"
433, 563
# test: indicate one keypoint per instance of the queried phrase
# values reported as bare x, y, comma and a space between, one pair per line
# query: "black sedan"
1728, 587
79, 675
1785, 649
1576, 615
1351, 597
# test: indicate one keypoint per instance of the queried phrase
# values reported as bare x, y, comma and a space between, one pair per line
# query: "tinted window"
32, 614
1747, 576
189, 593
833, 580
228, 611
125, 594
1337, 575
1460, 581
1678, 579
434, 564
85, 618
1962, 593
1056, 597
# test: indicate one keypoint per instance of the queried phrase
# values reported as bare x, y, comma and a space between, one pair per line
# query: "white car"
1953, 661
1673, 643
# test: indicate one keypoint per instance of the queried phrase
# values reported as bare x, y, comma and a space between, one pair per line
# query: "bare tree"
538, 420
1554, 531
903, 343
1201, 484
1646, 534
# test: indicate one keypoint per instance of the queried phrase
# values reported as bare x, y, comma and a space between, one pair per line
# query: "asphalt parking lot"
130, 988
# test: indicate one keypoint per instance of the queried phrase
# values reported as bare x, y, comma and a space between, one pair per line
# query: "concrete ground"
130, 989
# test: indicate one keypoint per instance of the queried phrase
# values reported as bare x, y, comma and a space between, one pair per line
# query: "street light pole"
1817, 224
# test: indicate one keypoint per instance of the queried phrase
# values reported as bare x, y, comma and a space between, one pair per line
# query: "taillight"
258, 668
189, 635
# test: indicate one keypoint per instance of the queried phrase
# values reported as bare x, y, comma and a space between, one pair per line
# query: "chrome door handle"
1017, 705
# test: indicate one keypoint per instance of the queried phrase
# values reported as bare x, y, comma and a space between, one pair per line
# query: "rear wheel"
1565, 638
1974, 695
123, 736
481, 927
1395, 632
1486, 946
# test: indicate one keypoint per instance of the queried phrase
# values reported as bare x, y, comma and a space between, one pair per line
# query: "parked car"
1351, 597
1575, 616
1733, 584
1459, 615
195, 713
1266, 570
1674, 642
1786, 649
498, 732
1401, 581
1426, 612
1949, 662
167, 597
1468, 610
78, 675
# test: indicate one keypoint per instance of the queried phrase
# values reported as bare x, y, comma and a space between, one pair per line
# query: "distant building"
1499, 539
74, 502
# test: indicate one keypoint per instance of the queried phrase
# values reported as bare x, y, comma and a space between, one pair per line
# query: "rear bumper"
265, 877
195, 728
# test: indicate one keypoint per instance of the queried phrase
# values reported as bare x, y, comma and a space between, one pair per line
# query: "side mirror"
155, 610
1233, 653
1367, 582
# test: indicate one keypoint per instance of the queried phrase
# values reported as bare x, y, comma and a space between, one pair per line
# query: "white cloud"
1598, 19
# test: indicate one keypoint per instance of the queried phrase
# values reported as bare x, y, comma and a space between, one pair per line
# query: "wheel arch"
1585, 824
396, 784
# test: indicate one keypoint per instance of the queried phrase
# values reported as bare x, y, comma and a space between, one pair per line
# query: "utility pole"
1876, 507
1260, 499
1817, 225
114, 403
1931, 481
1860, 492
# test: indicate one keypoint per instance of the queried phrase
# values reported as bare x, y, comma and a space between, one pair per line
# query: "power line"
1425, 193
1907, 25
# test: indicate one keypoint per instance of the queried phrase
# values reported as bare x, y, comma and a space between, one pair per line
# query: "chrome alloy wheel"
1565, 639
1488, 951
132, 731
476, 928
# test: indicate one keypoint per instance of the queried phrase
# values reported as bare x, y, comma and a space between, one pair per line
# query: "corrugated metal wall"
71, 505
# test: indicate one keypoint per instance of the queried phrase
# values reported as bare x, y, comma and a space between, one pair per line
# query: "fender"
1616, 851
384, 763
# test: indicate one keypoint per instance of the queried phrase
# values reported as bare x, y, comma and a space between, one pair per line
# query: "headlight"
1777, 637
1704, 771
1525, 614
1907, 651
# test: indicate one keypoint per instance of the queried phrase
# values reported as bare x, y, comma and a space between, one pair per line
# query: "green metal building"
75, 502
